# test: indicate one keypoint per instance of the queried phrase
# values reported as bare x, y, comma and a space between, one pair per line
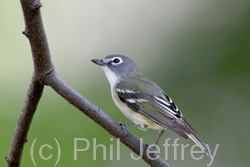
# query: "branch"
101, 118
34, 31
23, 123
44, 74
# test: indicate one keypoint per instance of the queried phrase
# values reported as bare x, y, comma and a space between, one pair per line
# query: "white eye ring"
116, 61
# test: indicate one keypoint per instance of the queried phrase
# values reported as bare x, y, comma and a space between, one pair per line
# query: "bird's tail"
200, 143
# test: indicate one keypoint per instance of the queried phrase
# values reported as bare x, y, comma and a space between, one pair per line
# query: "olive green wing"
157, 107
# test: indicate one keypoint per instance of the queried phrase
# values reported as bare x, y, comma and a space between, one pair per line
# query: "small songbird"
143, 101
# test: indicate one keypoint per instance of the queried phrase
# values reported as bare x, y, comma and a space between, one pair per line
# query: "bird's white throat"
112, 77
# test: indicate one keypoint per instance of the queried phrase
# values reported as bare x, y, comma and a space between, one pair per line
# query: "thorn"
25, 33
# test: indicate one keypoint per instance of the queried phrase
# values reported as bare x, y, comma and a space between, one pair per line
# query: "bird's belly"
137, 118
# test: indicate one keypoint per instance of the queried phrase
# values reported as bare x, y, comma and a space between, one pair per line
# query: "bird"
143, 101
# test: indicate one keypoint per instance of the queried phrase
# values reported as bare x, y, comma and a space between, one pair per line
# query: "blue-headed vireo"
144, 102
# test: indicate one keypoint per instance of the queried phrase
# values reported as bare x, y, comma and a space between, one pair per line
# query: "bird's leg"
124, 124
160, 134
158, 139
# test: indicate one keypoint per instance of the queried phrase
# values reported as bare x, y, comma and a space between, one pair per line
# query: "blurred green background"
197, 51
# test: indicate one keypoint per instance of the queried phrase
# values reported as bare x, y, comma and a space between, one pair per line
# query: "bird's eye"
116, 60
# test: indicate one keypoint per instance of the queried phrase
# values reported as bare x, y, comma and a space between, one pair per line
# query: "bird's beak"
98, 62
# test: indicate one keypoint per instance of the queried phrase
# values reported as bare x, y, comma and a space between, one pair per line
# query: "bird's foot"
140, 126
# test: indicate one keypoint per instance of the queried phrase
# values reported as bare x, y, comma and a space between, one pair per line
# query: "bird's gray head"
116, 67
